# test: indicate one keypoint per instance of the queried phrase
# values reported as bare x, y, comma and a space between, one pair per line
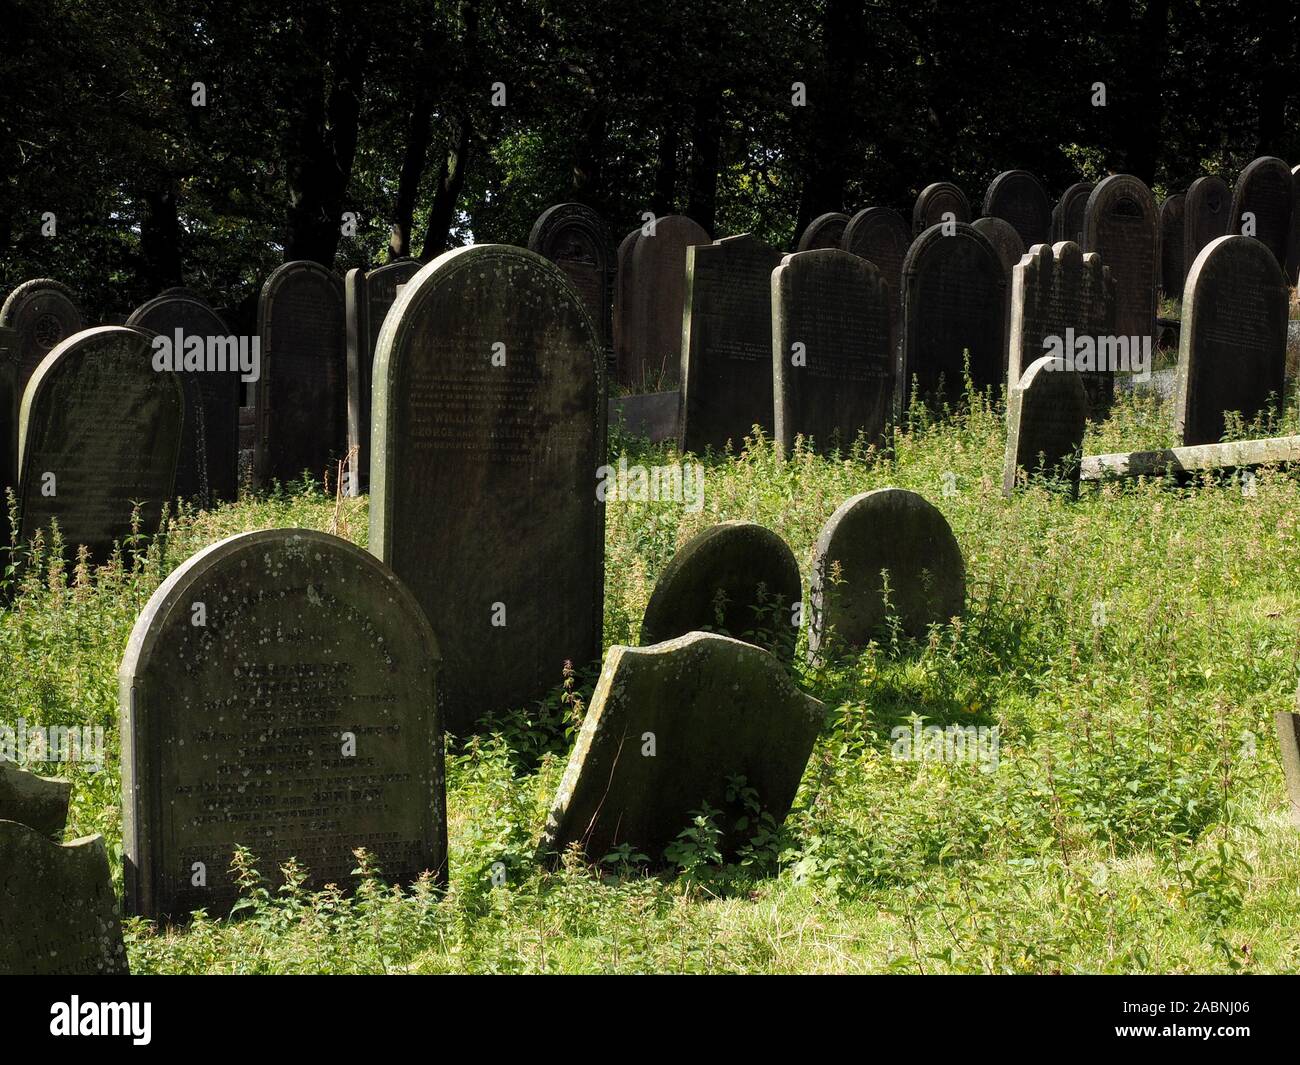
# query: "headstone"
10, 396
1173, 226
824, 231
936, 201
1232, 350
668, 727
58, 910
1288, 735
278, 693
891, 530
1047, 413
100, 432
1067, 215
575, 239
1206, 210
38, 802
44, 314
727, 343
1182, 462
880, 236
832, 351
367, 297
954, 301
1293, 243
650, 415
489, 429
302, 393
1266, 192
652, 291
1016, 196
1003, 236
736, 578
1121, 225
208, 467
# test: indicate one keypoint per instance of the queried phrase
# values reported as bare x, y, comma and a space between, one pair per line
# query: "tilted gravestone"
208, 467
1232, 345
891, 530
278, 692
1017, 197
302, 393
736, 578
727, 343
1262, 201
575, 238
10, 396
1121, 225
489, 427
652, 290
937, 201
1003, 236
824, 231
1288, 735
1173, 226
1206, 210
832, 351
38, 802
43, 313
670, 727
1047, 413
367, 297
954, 301
100, 432
880, 236
1067, 215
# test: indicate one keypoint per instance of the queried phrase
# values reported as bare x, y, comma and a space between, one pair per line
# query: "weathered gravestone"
1122, 226
209, 359
38, 802
1206, 209
1262, 201
1173, 227
1067, 215
1017, 197
99, 432
890, 530
736, 578
367, 297
880, 236
669, 727
824, 231
652, 290
302, 393
832, 351
1288, 735
727, 342
43, 313
935, 203
1293, 242
575, 239
278, 692
58, 911
1003, 236
1047, 413
954, 302
10, 395
489, 427
1232, 347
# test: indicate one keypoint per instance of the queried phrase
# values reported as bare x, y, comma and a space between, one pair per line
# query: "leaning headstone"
278, 693
1016, 196
736, 578
1232, 347
1047, 413
99, 432
489, 425
1262, 201
670, 727
832, 351
367, 297
208, 467
10, 397
1173, 226
575, 239
43, 313
890, 530
1121, 225
935, 202
824, 231
954, 302
58, 910
880, 236
1067, 215
727, 343
1206, 209
1003, 236
302, 393
1288, 735
38, 802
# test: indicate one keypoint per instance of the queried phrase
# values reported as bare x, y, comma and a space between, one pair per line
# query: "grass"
1131, 649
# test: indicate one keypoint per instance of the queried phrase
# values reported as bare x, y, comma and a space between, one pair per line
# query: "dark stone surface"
1121, 225
483, 477
714, 708
652, 415
736, 578
1173, 259
1003, 236
1207, 209
1267, 190
38, 802
1047, 413
1288, 735
234, 731
575, 238
824, 231
10, 397
44, 313
1017, 197
934, 201
1293, 242
880, 236
1067, 215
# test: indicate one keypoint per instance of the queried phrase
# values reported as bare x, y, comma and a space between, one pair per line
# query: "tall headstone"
489, 429
1206, 210
1067, 215
10, 397
208, 467
575, 238
936, 201
832, 351
880, 236
736, 578
1293, 242
1121, 225
1016, 196
1262, 201
1173, 227
1288, 735
1003, 236
824, 231
37, 802
278, 692
1232, 345
367, 297
1047, 413
43, 313
727, 343
302, 393
100, 431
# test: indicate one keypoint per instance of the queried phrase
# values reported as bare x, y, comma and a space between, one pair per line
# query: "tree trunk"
451, 178
160, 236
418, 137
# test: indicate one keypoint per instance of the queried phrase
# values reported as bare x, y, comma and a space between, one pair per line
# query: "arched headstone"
1262, 201
1017, 197
880, 236
824, 231
1206, 209
1173, 226
1067, 215
1121, 225
1003, 236
935, 201
43, 313
575, 238
1047, 413
10, 397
